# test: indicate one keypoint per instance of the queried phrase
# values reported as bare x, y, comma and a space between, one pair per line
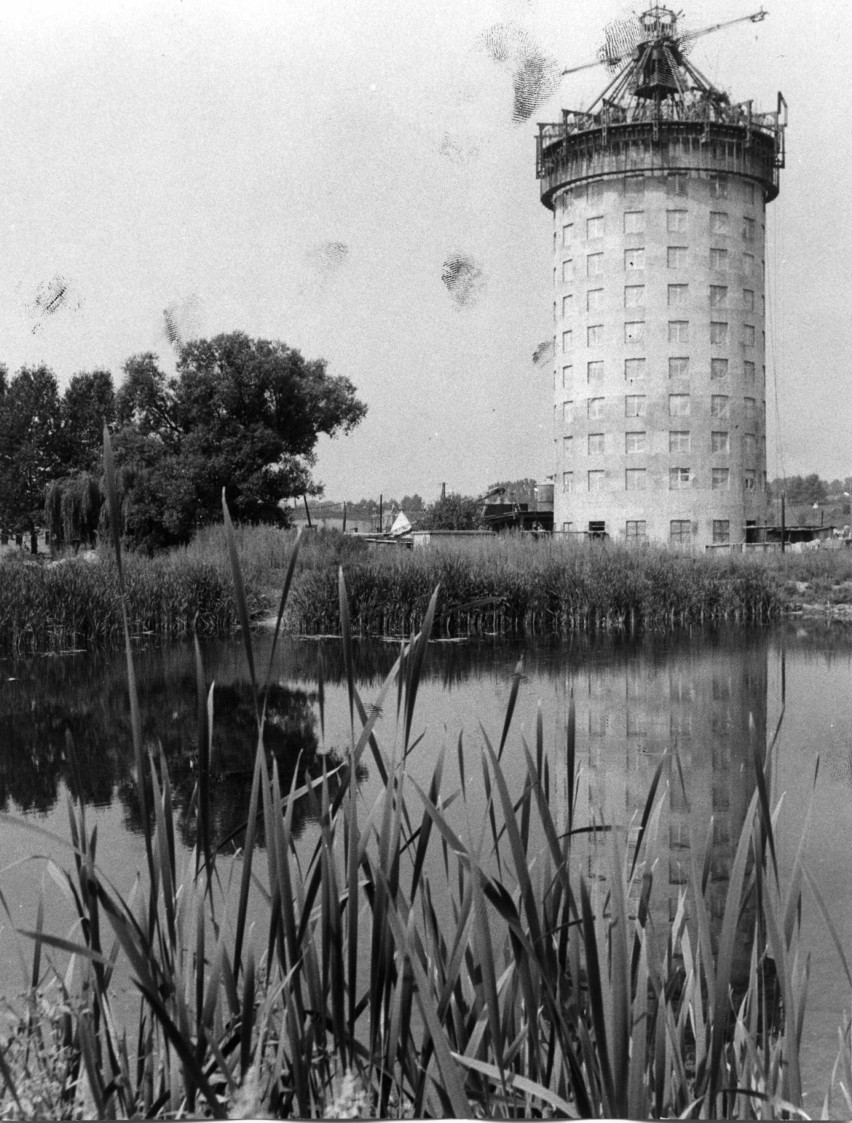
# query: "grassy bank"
412, 965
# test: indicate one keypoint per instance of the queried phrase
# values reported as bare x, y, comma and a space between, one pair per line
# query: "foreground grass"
408, 967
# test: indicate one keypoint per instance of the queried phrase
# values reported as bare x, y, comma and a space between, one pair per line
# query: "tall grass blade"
242, 603
517, 675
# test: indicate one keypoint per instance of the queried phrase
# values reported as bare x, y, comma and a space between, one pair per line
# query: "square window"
720, 442
676, 257
636, 530
676, 221
748, 300
567, 306
634, 186
595, 371
597, 480
719, 405
679, 368
678, 294
748, 335
566, 528
635, 441
720, 479
567, 482
634, 331
718, 296
634, 259
678, 331
750, 405
596, 444
718, 369
748, 229
748, 371
594, 300
594, 335
678, 405
634, 222
568, 446
748, 264
680, 534
567, 412
567, 341
721, 531
749, 479
676, 183
634, 479
595, 409
634, 405
634, 368
595, 227
634, 296
594, 264
718, 333
679, 479
719, 186
749, 444
719, 222
719, 260
567, 269
679, 440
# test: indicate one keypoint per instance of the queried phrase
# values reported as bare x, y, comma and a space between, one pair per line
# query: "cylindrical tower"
658, 195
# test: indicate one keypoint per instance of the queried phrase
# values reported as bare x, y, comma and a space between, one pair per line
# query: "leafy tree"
30, 447
242, 414
87, 405
411, 503
452, 512
517, 491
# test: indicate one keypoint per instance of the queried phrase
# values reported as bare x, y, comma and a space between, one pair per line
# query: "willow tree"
72, 509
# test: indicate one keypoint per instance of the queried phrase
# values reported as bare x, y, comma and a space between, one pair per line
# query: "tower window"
748, 300
634, 186
596, 409
718, 369
596, 191
634, 296
634, 479
595, 371
594, 335
567, 269
567, 482
634, 259
680, 533
719, 260
595, 227
721, 532
678, 331
748, 229
748, 335
718, 296
679, 479
720, 480
594, 264
567, 412
718, 333
678, 405
719, 186
679, 440
634, 222
567, 200
749, 444
567, 374
748, 264
636, 530
567, 306
567, 341
750, 409
567, 233
594, 300
749, 193
719, 222
597, 480
635, 442
748, 371
634, 405
634, 331
679, 368
633, 369
749, 479
719, 405
676, 183
596, 444
677, 294
676, 221
568, 446
676, 257
719, 442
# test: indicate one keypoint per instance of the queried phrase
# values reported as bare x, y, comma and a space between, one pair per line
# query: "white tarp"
401, 525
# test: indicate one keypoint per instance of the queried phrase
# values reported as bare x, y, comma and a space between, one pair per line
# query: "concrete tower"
658, 194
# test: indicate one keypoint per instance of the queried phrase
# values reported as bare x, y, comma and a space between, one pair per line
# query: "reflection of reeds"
415, 963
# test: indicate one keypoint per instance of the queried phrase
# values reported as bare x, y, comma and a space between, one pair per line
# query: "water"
715, 696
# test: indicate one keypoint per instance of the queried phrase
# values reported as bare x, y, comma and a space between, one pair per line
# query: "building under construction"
658, 193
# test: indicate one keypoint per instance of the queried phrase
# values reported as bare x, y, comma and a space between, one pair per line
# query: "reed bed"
416, 963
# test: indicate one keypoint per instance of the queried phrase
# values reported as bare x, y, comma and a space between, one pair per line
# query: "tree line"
241, 414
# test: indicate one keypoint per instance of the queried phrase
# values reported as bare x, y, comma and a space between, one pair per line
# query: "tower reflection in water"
707, 706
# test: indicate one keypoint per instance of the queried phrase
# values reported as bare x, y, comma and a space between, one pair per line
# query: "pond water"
711, 694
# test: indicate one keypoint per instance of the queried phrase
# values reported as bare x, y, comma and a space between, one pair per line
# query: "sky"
346, 176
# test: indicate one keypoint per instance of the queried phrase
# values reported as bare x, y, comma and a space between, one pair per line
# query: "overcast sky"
305, 169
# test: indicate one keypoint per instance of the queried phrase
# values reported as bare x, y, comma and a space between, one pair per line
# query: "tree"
452, 512
87, 405
30, 447
517, 491
242, 414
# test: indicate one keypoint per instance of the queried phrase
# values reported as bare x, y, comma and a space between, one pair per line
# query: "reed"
416, 963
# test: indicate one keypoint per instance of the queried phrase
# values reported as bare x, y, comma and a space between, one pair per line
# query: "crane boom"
755, 17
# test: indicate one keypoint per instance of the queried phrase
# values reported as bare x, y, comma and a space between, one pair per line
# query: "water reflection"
87, 699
